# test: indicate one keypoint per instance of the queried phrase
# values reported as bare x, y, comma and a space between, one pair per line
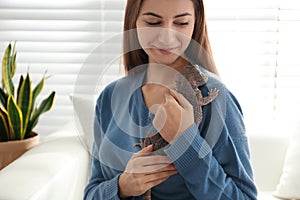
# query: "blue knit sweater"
212, 159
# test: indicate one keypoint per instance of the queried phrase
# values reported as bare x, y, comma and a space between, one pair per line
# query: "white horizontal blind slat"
53, 4
50, 14
53, 25
53, 36
52, 47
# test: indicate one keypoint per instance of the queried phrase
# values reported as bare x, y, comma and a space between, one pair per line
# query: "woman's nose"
166, 36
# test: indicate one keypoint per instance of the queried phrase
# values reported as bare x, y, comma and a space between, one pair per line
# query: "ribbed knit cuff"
187, 147
112, 188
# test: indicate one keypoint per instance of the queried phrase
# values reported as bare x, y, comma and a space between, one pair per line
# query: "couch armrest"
55, 169
267, 158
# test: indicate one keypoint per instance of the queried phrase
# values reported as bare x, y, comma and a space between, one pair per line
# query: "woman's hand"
174, 116
143, 172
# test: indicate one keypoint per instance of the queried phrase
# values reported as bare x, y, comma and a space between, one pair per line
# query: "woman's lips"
166, 51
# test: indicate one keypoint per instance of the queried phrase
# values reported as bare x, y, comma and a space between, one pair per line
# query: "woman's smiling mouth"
166, 51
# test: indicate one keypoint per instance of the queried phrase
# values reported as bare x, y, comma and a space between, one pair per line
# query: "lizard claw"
213, 93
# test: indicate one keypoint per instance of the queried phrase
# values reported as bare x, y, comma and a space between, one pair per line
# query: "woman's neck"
164, 75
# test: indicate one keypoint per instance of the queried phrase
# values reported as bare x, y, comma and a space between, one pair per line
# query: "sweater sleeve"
98, 188
221, 170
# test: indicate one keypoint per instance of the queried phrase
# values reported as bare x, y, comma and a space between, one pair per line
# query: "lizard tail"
147, 195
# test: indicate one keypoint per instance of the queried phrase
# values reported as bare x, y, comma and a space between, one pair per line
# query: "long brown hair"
198, 51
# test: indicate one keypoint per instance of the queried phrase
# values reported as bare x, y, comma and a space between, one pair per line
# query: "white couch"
57, 168
267, 158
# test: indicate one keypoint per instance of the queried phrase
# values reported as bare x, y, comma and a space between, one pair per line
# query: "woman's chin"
170, 61
167, 62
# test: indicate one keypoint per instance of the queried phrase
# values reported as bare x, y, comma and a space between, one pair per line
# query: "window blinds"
52, 35
244, 37
254, 44
288, 68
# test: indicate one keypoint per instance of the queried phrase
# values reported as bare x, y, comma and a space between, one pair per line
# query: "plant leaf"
19, 87
25, 102
13, 62
3, 98
36, 91
4, 134
45, 106
15, 119
6, 72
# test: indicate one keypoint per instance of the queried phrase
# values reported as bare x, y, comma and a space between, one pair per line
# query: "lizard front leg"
212, 94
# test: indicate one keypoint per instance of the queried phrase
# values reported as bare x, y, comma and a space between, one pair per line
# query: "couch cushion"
84, 112
289, 186
266, 196
267, 158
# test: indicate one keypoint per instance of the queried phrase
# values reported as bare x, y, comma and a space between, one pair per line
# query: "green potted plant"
18, 112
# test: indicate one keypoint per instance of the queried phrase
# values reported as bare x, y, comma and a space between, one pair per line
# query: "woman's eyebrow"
152, 14
183, 14
158, 16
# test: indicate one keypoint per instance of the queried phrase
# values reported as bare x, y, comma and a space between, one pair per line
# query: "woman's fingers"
144, 171
174, 116
148, 164
145, 151
153, 168
182, 101
154, 160
154, 179
160, 118
132, 184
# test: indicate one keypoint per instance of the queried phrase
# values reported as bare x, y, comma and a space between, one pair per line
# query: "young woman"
209, 160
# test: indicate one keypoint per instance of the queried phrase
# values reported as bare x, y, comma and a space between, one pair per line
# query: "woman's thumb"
147, 149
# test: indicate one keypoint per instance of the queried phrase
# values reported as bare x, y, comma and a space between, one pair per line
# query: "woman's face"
165, 28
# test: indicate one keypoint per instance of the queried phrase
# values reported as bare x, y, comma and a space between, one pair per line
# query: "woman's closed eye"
152, 23
181, 23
